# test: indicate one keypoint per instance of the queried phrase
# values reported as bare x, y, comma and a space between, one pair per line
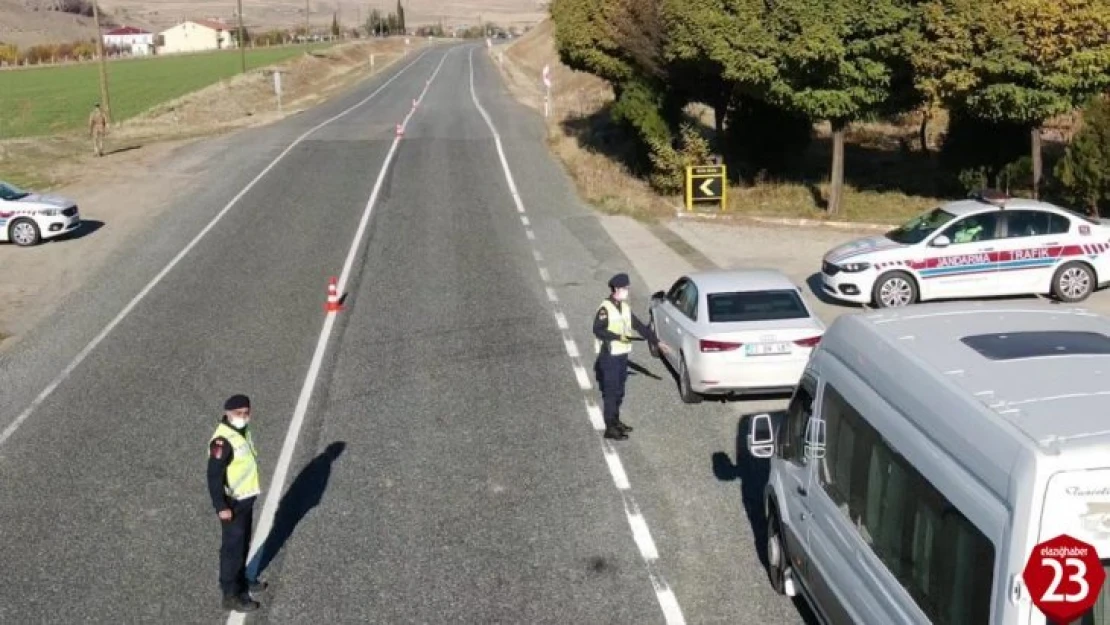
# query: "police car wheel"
1073, 282
894, 290
684, 390
24, 233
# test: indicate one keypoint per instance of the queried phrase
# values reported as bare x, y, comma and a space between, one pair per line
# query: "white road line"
277, 484
672, 613
84, 353
524, 220
572, 347
551, 294
546, 277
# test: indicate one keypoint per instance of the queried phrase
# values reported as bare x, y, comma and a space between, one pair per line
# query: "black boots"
618, 432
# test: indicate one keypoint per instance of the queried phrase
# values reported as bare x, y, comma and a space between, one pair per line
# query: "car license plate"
766, 349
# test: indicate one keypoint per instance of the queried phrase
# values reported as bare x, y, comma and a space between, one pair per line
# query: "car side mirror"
941, 241
761, 437
658, 295
814, 439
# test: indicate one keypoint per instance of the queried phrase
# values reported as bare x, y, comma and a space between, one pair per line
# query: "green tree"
1084, 172
335, 25
837, 60
1016, 61
585, 41
401, 17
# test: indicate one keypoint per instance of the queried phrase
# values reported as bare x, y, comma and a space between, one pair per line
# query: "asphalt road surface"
446, 468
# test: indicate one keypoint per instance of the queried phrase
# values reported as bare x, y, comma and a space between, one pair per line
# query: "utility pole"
242, 40
105, 103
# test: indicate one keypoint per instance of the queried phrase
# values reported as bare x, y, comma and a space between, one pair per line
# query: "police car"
28, 218
983, 246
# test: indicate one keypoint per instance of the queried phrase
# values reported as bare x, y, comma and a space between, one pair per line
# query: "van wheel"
894, 290
652, 349
684, 391
1073, 282
776, 555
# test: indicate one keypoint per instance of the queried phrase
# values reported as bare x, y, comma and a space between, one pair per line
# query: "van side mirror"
941, 241
761, 437
658, 295
814, 448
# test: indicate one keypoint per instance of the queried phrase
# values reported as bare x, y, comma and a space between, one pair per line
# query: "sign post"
706, 183
277, 87
547, 91
1064, 578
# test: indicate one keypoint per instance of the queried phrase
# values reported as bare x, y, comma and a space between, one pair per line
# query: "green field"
49, 100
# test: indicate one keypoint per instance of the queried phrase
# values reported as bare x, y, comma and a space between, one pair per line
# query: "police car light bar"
990, 196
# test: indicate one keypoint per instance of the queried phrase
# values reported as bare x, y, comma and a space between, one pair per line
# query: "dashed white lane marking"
546, 277
672, 613
524, 220
281, 468
99, 338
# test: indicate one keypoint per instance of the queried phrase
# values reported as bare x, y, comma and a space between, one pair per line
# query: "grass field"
51, 100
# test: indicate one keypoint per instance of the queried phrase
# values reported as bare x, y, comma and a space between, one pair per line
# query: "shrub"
1084, 172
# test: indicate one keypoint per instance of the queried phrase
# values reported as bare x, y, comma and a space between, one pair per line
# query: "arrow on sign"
706, 187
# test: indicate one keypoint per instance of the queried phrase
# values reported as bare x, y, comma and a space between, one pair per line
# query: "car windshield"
917, 229
10, 193
755, 306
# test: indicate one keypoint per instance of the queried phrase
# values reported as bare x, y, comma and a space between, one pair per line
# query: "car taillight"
717, 346
810, 342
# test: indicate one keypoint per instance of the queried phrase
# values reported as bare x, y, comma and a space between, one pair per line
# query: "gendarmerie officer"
613, 326
234, 485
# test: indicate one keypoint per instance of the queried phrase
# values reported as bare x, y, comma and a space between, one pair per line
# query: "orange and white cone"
414, 102
333, 304
400, 131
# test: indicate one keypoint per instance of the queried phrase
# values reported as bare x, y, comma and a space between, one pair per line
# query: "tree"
585, 41
836, 61
335, 24
1016, 61
1084, 171
401, 17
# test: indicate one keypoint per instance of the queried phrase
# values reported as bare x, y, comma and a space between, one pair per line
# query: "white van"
926, 451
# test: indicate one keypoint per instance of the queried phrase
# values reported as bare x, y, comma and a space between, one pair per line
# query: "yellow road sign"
706, 183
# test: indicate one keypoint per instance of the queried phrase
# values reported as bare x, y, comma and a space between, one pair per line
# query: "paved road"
447, 469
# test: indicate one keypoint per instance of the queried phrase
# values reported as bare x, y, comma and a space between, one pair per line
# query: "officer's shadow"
304, 494
640, 369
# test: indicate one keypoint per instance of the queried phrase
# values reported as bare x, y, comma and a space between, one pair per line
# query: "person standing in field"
98, 127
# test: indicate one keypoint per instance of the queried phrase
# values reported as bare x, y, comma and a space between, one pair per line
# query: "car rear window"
755, 306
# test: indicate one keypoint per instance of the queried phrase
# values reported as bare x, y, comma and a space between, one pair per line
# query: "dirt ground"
138, 166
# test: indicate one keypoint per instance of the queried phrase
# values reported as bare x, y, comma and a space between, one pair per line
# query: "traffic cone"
414, 103
333, 304
399, 131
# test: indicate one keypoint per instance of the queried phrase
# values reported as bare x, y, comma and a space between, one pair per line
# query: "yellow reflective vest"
620, 323
242, 479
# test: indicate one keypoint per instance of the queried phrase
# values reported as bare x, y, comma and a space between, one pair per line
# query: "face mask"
237, 423
621, 295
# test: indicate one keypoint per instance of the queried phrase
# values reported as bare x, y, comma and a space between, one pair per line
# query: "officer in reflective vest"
234, 485
613, 326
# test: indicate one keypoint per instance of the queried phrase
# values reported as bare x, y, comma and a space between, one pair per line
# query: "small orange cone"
333, 304
414, 101
399, 130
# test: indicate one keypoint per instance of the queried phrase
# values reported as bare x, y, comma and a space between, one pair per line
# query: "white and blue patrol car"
28, 218
984, 246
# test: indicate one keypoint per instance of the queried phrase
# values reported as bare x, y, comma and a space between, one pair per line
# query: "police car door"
967, 266
1031, 250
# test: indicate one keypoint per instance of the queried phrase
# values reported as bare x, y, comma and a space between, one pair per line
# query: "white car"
984, 246
29, 218
733, 332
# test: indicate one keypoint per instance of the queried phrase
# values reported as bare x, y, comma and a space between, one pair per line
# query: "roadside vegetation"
829, 109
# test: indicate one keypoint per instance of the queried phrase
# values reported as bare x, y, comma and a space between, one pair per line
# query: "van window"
943, 561
797, 415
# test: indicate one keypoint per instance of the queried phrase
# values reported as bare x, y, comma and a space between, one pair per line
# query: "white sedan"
988, 245
732, 332
28, 218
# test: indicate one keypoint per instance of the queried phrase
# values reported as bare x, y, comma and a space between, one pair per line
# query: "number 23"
1050, 593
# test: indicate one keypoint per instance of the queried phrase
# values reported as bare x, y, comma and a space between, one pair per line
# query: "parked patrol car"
986, 245
28, 218
927, 450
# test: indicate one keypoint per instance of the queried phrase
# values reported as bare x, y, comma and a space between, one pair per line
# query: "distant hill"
27, 22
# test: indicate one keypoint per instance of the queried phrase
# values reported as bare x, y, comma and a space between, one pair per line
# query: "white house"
196, 36
137, 40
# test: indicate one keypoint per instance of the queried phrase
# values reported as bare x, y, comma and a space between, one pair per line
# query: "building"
196, 36
137, 40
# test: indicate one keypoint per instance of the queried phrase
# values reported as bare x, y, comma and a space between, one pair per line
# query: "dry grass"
888, 179
242, 101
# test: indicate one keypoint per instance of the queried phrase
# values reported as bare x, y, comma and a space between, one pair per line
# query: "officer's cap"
235, 402
619, 281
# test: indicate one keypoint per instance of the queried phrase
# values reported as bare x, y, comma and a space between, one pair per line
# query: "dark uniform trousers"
235, 546
612, 374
